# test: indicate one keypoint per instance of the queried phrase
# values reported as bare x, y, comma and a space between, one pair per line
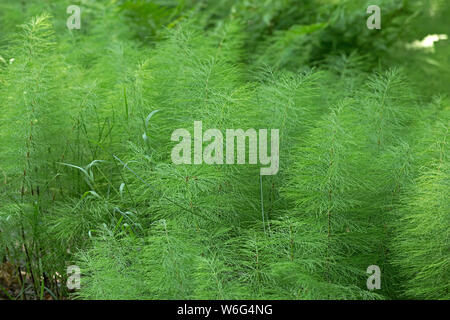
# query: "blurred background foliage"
282, 34
292, 33
287, 34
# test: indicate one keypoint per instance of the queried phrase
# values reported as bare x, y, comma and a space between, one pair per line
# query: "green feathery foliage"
87, 178
421, 246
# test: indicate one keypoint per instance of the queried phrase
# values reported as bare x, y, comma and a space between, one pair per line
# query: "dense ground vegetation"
86, 176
